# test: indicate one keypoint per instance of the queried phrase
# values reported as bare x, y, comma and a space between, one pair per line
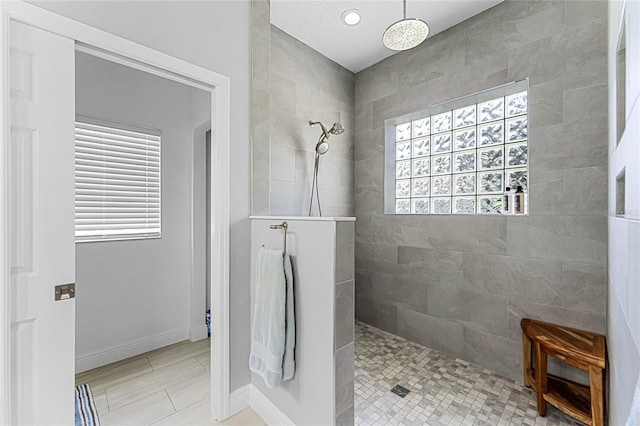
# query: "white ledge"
306, 218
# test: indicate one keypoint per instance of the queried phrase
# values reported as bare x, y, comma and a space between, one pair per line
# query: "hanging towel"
273, 331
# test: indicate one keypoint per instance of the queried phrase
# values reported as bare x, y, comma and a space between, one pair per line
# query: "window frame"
152, 134
457, 103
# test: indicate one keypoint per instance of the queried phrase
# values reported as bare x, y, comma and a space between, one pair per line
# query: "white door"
41, 226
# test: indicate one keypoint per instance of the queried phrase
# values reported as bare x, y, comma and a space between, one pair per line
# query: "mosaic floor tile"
443, 391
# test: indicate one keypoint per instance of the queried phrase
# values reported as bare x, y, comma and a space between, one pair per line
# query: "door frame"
120, 50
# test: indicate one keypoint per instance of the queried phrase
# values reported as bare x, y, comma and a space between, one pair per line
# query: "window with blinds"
117, 183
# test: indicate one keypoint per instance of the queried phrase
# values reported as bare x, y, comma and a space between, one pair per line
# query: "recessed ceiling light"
351, 17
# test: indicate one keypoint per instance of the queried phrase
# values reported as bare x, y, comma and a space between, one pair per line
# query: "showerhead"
323, 146
336, 129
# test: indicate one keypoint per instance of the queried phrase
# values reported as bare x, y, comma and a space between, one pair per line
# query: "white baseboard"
239, 399
198, 333
267, 410
117, 353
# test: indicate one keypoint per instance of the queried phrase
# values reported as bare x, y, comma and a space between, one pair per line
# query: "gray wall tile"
401, 290
345, 232
344, 377
344, 314
288, 198
389, 228
375, 83
545, 104
582, 12
437, 58
514, 277
581, 320
364, 282
583, 145
377, 257
369, 200
587, 100
587, 54
260, 105
472, 234
363, 229
565, 55
436, 267
505, 32
445, 336
583, 192
380, 314
584, 287
283, 163
496, 353
545, 192
569, 238
481, 311
346, 418
540, 60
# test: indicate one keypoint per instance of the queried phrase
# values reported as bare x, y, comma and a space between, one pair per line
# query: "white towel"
273, 331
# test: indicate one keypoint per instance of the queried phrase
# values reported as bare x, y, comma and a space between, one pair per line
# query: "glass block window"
459, 157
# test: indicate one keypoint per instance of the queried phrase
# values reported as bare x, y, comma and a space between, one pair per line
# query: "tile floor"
443, 391
168, 386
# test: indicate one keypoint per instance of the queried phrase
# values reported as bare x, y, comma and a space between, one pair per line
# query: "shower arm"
325, 132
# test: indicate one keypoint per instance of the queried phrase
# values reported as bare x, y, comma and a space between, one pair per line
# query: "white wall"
135, 295
623, 337
307, 399
216, 36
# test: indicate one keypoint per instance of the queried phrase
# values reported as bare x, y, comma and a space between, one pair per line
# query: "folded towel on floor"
273, 331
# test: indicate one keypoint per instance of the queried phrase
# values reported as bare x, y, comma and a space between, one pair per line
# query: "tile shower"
458, 284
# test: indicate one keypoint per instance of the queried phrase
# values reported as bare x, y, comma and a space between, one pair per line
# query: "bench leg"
541, 378
526, 359
597, 406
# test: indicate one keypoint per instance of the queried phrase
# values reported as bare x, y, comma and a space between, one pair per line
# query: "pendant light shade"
405, 34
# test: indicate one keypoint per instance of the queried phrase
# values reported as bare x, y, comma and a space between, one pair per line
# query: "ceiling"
318, 24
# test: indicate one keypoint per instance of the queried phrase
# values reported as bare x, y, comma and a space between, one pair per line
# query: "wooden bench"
577, 348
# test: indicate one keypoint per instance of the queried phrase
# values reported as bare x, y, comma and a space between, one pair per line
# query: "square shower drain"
400, 391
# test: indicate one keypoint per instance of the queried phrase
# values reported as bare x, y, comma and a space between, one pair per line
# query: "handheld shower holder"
322, 146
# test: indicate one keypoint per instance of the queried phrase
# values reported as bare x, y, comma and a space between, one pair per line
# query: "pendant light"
406, 33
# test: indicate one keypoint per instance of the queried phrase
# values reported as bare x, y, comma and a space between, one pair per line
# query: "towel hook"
284, 225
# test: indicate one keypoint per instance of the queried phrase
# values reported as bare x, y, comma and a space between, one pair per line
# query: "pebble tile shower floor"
443, 391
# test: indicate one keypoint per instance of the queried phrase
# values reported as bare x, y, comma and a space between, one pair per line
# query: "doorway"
140, 269
103, 43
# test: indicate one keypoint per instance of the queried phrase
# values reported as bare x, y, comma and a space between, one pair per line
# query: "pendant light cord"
404, 9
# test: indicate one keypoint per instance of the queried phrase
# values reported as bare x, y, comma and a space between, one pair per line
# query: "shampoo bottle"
507, 201
518, 201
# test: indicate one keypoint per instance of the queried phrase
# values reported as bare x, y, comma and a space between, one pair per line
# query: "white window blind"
117, 183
